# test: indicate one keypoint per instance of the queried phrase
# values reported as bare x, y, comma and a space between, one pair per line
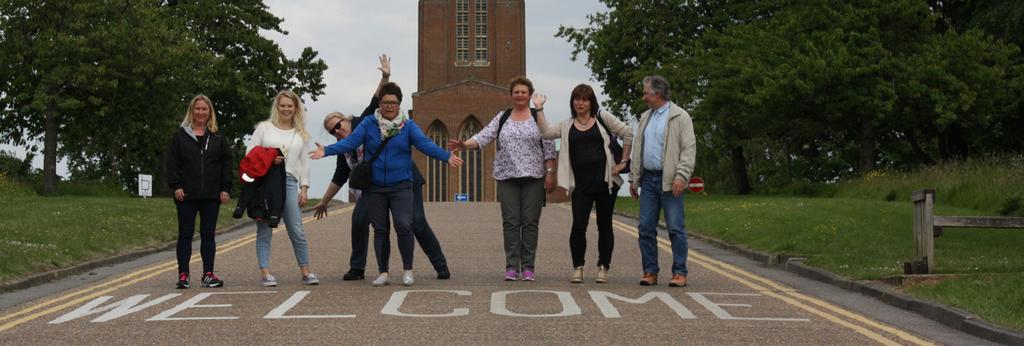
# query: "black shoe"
353, 274
211, 280
443, 273
182, 281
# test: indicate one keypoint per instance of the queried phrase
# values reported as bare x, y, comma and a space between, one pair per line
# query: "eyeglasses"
388, 103
335, 128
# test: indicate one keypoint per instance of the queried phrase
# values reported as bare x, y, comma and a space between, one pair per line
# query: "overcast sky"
349, 35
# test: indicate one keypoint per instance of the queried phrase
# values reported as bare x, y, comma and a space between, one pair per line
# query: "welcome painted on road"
212, 305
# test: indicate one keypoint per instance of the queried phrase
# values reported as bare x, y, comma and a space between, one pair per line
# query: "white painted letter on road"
498, 306
397, 298
716, 309
117, 309
193, 303
601, 298
294, 300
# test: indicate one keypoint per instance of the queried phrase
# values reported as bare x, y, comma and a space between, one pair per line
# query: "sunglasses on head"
335, 128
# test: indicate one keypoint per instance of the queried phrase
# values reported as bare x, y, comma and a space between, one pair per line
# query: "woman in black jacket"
199, 173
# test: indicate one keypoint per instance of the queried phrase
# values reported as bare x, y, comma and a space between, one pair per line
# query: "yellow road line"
796, 294
143, 274
158, 267
708, 262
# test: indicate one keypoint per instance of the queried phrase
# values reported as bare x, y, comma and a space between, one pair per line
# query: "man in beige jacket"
663, 157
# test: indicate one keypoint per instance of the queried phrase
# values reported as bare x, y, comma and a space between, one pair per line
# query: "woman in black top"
588, 170
199, 173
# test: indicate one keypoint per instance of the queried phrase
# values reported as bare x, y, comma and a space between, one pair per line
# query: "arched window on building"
471, 179
437, 171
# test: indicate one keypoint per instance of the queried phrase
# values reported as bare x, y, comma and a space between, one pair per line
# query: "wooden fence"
928, 226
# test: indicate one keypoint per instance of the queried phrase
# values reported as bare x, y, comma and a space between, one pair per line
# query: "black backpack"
504, 118
613, 144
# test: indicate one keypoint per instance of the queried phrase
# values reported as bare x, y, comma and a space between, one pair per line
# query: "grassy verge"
991, 185
43, 233
862, 239
995, 297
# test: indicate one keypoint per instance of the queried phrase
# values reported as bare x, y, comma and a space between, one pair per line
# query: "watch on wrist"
541, 109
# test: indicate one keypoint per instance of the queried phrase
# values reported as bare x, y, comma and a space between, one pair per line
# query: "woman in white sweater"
589, 170
286, 130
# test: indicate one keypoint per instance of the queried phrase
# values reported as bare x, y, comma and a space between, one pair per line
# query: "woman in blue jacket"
391, 188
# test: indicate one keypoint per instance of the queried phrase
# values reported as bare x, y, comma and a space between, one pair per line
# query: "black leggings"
187, 210
582, 203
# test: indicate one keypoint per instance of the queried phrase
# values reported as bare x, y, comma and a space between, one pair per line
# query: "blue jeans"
292, 218
652, 202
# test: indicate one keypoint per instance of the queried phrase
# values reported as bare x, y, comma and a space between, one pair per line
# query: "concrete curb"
950, 316
56, 274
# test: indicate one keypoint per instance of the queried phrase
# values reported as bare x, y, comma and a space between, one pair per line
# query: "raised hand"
456, 145
385, 65
539, 100
318, 153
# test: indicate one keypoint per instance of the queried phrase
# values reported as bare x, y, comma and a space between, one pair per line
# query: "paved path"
729, 300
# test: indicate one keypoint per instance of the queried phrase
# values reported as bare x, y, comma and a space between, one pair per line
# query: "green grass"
43, 233
861, 239
996, 297
991, 185
868, 239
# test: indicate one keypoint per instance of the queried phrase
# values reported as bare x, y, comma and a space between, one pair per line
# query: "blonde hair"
338, 115
211, 124
298, 120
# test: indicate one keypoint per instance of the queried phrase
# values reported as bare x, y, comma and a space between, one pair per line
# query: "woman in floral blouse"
524, 167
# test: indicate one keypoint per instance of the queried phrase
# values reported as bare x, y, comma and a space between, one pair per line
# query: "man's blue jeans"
652, 202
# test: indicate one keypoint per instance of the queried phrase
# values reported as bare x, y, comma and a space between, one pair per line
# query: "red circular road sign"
696, 185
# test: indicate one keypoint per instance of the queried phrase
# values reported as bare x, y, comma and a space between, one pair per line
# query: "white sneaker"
382, 280
268, 281
310, 279
407, 278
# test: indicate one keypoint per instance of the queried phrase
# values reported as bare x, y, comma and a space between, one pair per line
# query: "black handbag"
361, 177
613, 144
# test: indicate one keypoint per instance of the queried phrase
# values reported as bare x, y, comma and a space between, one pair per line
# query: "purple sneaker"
527, 274
511, 275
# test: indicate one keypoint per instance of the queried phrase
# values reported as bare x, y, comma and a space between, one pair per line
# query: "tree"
635, 39
104, 82
813, 91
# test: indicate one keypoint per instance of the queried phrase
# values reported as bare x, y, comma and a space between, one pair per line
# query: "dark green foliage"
786, 92
13, 167
891, 196
1011, 207
107, 82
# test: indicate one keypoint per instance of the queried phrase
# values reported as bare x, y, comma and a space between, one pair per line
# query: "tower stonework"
468, 52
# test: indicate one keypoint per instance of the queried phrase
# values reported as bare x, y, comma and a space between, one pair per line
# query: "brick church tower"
468, 51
